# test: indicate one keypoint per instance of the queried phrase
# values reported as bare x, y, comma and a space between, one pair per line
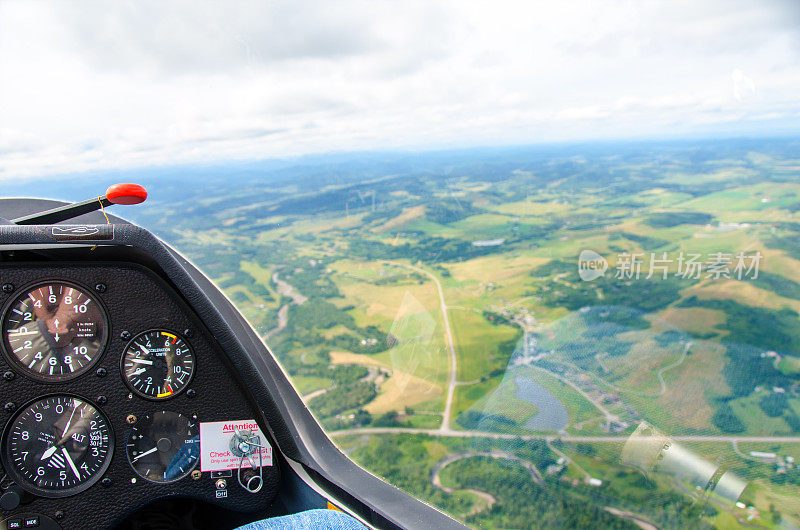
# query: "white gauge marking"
57, 461
75, 405
150, 451
71, 463
141, 361
47, 454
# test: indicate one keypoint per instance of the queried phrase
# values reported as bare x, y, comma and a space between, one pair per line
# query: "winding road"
489, 498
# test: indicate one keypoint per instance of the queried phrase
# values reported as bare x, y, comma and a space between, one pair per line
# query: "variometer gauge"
54, 331
57, 446
158, 364
164, 446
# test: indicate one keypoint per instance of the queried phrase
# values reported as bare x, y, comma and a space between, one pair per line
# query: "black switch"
14, 523
9, 500
31, 521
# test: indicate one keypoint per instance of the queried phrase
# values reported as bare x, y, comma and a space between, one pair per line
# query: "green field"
357, 312
482, 347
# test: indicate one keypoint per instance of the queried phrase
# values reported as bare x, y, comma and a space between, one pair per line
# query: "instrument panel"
109, 381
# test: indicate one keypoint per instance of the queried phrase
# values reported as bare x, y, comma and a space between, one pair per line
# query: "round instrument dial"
57, 446
54, 331
164, 446
158, 364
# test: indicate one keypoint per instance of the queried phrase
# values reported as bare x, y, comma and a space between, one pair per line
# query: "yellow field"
637, 370
401, 220
335, 331
690, 386
688, 319
399, 391
378, 304
531, 209
743, 292
776, 261
261, 275
495, 268
254, 298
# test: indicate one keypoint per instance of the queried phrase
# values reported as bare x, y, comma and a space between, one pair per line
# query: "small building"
488, 243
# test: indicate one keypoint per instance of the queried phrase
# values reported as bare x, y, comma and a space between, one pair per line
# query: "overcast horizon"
116, 86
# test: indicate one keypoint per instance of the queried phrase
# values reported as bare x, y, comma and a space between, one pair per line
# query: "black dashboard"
143, 407
136, 396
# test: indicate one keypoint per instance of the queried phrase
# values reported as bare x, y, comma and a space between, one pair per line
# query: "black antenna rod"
116, 194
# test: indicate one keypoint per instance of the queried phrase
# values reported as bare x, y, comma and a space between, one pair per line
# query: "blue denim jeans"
316, 519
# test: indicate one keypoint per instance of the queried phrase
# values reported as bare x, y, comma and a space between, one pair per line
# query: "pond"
552, 415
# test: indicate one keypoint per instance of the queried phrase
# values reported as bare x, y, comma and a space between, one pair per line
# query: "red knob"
126, 193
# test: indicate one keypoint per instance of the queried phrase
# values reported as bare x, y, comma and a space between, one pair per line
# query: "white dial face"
55, 331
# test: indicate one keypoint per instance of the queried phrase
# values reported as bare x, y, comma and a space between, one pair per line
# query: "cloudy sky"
89, 85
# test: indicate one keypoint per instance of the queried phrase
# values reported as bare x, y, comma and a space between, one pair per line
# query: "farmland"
412, 309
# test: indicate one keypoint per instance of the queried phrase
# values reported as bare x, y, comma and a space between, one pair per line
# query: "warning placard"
215, 449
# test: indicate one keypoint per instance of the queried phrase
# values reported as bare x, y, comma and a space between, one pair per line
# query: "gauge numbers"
164, 446
58, 446
158, 364
54, 332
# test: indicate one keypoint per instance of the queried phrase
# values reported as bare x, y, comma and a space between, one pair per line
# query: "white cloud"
743, 86
107, 84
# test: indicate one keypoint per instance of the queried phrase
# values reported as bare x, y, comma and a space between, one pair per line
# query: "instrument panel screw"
101, 372
100, 287
191, 393
101, 400
188, 333
131, 419
125, 335
9, 376
58, 514
8, 288
106, 482
196, 474
10, 406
